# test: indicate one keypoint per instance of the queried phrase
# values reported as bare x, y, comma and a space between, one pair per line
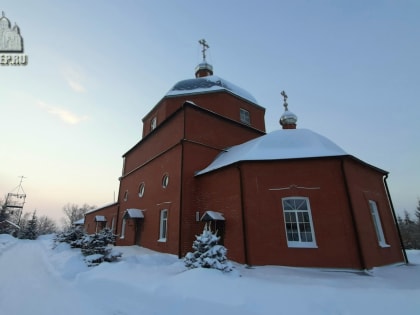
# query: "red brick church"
289, 197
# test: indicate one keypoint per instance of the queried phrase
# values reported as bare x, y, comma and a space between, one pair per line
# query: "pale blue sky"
351, 70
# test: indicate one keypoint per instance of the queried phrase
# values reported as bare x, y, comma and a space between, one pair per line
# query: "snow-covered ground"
36, 279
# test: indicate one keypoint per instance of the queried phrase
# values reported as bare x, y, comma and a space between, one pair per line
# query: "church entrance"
137, 229
216, 222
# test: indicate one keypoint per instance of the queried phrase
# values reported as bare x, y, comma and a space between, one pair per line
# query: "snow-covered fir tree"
30, 229
72, 236
4, 216
207, 253
95, 247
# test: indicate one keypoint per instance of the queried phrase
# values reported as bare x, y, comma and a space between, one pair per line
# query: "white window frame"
113, 224
245, 116
123, 225
165, 181
153, 123
142, 187
296, 209
376, 219
163, 225
123, 167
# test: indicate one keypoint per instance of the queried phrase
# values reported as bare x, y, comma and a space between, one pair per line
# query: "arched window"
141, 190
124, 222
298, 222
153, 123
377, 223
165, 180
163, 228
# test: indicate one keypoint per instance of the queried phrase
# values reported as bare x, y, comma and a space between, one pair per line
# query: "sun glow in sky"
95, 68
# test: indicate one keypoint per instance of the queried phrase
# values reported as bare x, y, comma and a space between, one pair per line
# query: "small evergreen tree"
97, 243
72, 236
417, 213
410, 231
4, 229
207, 253
30, 230
95, 247
4, 216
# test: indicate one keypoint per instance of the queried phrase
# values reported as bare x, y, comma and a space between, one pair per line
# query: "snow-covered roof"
100, 218
212, 215
102, 207
206, 84
134, 213
278, 145
79, 222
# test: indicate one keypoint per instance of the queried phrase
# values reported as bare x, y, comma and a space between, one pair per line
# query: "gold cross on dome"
205, 47
283, 93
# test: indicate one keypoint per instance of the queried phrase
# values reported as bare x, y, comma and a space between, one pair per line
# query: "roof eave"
203, 172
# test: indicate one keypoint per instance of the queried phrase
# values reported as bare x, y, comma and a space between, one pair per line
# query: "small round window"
141, 190
165, 180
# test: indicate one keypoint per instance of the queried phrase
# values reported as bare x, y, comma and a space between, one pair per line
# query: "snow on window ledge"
162, 240
301, 245
384, 245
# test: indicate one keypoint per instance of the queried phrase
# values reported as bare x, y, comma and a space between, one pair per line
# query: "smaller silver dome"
203, 69
204, 65
288, 118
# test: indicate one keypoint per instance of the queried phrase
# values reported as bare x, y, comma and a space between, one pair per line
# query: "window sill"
384, 245
301, 245
162, 240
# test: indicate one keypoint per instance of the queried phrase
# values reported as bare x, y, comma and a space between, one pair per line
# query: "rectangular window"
377, 223
163, 225
298, 222
153, 123
124, 222
113, 224
122, 171
244, 115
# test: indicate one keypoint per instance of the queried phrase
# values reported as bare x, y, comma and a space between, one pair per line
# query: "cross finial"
283, 93
2, 14
205, 47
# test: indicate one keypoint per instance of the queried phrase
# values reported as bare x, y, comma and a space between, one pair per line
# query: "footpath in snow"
36, 279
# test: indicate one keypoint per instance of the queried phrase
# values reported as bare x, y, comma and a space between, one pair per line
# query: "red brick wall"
367, 184
203, 127
220, 192
321, 180
220, 102
160, 140
155, 199
161, 153
110, 213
